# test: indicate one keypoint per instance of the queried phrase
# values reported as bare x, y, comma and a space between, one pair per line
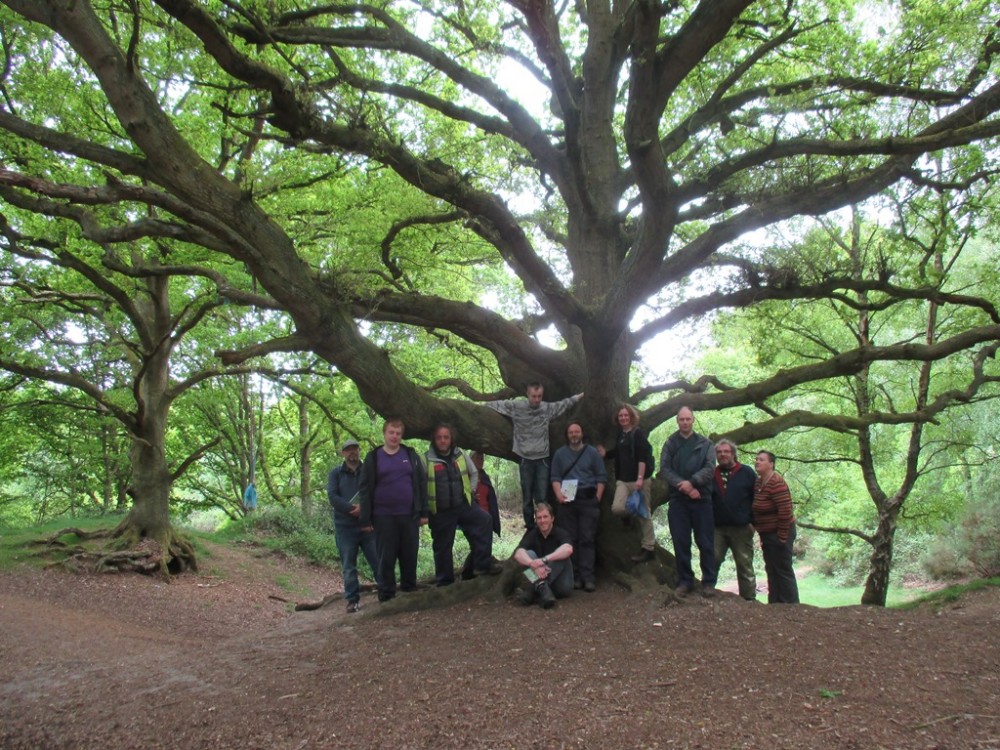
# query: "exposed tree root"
310, 606
644, 578
336, 596
56, 541
176, 554
144, 558
427, 596
126, 551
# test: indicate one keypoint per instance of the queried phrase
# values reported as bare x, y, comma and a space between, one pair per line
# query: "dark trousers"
580, 518
397, 539
476, 525
560, 577
782, 587
687, 517
534, 486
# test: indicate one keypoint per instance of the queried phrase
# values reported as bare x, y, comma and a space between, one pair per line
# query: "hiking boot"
547, 598
707, 591
589, 586
353, 607
644, 555
683, 590
494, 570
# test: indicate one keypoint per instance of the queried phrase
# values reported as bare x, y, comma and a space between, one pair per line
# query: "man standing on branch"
452, 479
633, 457
545, 552
578, 481
393, 497
774, 521
687, 462
530, 418
732, 503
342, 492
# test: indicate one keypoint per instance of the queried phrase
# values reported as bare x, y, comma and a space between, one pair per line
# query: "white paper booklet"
568, 487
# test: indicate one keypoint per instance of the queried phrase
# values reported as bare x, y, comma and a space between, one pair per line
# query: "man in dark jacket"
342, 492
732, 504
687, 462
486, 494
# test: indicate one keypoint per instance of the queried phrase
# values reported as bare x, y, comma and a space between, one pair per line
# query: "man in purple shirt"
393, 500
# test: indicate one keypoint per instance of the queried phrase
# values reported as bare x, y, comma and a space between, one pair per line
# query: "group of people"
379, 505
712, 498
721, 503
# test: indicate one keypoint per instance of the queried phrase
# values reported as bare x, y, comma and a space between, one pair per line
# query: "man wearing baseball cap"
342, 491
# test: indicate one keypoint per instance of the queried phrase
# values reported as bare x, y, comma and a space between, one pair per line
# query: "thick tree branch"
193, 457
846, 363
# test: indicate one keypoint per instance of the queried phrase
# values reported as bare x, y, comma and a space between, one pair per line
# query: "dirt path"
212, 661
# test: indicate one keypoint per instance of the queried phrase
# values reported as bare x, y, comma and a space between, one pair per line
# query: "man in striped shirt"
774, 521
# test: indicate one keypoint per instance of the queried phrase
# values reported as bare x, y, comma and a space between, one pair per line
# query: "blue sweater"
588, 471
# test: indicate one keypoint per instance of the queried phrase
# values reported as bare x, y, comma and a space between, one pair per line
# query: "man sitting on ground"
545, 551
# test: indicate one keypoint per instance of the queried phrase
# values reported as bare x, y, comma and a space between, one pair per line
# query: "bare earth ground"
126, 661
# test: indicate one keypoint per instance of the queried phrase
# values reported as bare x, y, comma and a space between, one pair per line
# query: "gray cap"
349, 444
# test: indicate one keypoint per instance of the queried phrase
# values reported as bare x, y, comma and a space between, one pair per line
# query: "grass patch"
823, 591
226, 533
18, 546
951, 594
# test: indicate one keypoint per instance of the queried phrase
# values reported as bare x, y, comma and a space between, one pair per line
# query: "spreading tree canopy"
610, 155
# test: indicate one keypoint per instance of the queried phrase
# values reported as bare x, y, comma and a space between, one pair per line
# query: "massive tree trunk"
619, 539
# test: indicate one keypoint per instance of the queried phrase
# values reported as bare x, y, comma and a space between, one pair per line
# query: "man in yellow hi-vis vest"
451, 482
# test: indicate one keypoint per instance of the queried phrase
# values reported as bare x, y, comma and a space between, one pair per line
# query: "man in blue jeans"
342, 491
530, 417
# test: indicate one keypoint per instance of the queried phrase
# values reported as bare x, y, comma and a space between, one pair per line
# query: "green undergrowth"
310, 538
289, 531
